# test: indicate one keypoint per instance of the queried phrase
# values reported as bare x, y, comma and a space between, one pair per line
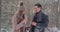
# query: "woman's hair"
19, 14
21, 3
20, 8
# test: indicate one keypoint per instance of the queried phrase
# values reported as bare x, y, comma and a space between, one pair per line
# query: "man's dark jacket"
41, 19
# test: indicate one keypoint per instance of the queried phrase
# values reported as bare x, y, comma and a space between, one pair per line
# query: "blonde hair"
17, 12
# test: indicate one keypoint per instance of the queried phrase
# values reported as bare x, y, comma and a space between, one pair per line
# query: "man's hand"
34, 23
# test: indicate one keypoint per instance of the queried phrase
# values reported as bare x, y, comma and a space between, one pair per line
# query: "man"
40, 20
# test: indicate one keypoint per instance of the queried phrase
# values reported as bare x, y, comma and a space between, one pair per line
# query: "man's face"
36, 9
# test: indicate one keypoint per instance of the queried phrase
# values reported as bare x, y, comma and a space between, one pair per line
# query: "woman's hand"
21, 24
24, 21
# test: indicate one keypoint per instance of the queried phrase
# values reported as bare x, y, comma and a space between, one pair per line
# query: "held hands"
34, 23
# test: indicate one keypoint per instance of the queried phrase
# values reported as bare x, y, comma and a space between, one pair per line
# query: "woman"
19, 19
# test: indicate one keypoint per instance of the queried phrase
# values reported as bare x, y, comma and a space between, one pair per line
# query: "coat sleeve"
14, 21
45, 19
22, 23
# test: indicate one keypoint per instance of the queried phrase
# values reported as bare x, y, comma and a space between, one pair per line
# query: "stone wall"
9, 7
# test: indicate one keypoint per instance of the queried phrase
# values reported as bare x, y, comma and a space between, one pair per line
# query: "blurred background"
50, 7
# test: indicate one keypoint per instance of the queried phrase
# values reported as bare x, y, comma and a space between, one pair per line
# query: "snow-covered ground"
53, 29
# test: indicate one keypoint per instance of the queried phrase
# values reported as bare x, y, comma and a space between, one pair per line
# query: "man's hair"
39, 5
